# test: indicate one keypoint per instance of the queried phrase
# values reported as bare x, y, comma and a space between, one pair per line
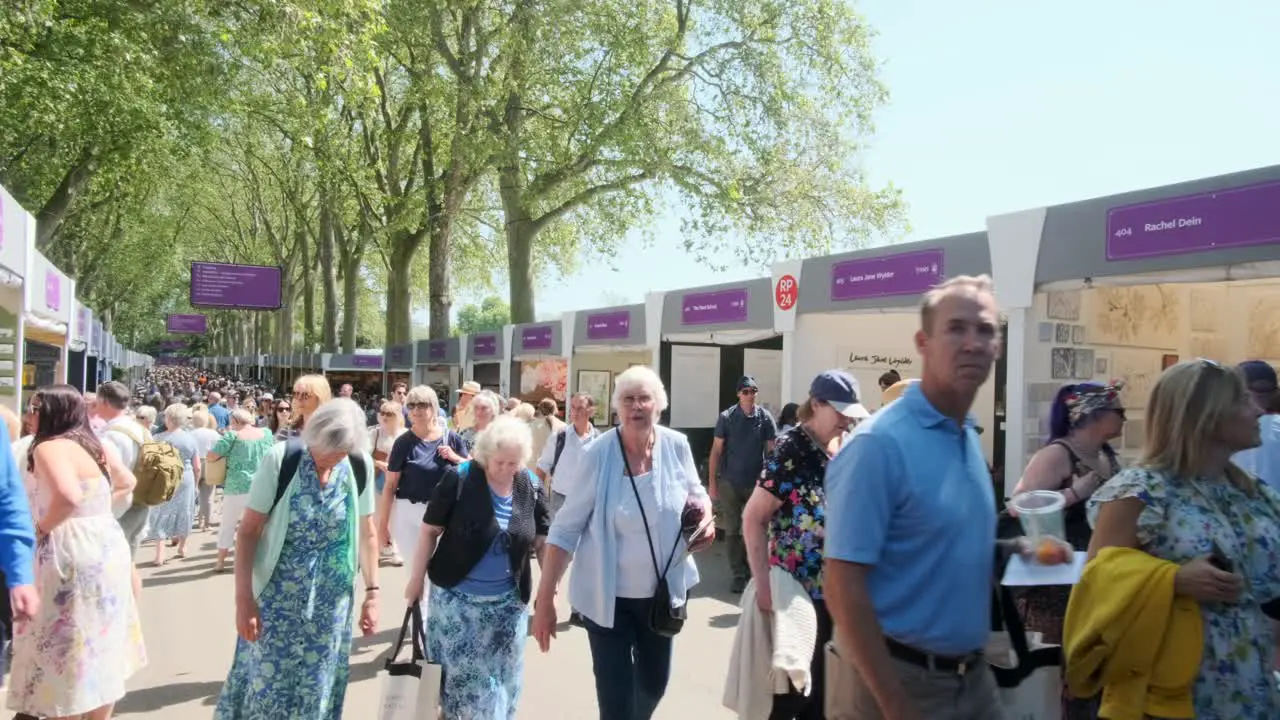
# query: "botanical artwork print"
1143, 316
1063, 364
1264, 327
1206, 303
1064, 305
1138, 369
1077, 334
1062, 333
544, 379
1084, 364
1211, 346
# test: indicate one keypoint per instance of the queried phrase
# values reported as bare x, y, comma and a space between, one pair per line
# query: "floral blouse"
1182, 520
794, 473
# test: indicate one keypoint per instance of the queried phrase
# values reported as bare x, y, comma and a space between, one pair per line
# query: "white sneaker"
390, 556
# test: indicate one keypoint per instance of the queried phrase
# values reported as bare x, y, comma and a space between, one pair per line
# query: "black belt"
940, 663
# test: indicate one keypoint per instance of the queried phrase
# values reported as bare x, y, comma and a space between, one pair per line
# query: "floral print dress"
299, 668
795, 474
1182, 520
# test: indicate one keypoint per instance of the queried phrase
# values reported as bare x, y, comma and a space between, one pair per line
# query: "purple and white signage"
535, 337
83, 319
186, 324
398, 355
368, 362
252, 287
1238, 217
52, 290
438, 350
609, 326
909, 273
714, 308
483, 346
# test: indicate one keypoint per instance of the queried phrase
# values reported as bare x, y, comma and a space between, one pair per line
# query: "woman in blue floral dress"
1185, 497
786, 518
295, 566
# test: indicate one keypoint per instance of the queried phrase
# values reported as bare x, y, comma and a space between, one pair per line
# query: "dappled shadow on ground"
151, 699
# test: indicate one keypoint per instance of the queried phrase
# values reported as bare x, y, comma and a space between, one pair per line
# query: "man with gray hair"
219, 411
127, 436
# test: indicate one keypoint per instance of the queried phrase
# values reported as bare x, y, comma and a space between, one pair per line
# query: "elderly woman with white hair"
307, 528
172, 519
481, 525
485, 407
627, 531
145, 415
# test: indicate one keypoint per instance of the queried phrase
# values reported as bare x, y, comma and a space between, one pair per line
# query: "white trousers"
406, 529
232, 509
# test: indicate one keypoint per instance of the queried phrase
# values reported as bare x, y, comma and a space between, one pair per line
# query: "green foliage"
490, 314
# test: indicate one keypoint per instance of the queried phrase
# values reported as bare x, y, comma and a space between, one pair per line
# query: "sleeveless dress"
78, 652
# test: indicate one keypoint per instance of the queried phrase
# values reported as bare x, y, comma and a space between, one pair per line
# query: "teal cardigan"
263, 493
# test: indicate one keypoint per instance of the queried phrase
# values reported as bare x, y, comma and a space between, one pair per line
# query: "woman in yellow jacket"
1185, 501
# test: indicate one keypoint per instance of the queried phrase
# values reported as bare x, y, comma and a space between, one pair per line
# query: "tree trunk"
352, 256
440, 284
399, 327
58, 207
328, 277
308, 285
520, 234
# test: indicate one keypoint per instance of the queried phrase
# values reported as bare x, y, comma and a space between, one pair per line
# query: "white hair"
639, 377
242, 416
489, 399
177, 415
505, 432
145, 413
336, 426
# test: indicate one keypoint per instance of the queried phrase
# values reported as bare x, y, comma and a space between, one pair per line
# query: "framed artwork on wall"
596, 384
1167, 361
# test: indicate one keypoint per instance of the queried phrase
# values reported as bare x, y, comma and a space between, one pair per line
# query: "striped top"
501, 508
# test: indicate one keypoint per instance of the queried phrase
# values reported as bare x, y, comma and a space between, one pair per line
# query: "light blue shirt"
17, 530
1263, 462
586, 526
911, 497
221, 414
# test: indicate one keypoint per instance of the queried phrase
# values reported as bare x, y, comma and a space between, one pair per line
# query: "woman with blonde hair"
242, 449
382, 437
204, 430
1184, 500
309, 393
172, 519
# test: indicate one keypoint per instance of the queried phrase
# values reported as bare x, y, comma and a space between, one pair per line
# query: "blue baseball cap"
1259, 376
840, 390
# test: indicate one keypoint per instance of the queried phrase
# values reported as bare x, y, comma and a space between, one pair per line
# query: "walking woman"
204, 431
621, 527
243, 449
485, 407
382, 439
74, 657
483, 523
296, 563
419, 459
278, 422
172, 520
309, 393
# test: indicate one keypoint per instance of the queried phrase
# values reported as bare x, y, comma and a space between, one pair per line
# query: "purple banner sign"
173, 344
484, 345
187, 324
1238, 217
714, 308
52, 290
370, 362
438, 350
609, 326
537, 337
253, 287
903, 274
399, 355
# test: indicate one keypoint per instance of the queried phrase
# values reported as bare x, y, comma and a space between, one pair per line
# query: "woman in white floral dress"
1183, 499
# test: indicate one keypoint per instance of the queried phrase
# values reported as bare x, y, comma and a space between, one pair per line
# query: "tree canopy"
390, 155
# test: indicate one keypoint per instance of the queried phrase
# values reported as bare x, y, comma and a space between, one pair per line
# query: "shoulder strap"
359, 468
462, 475
137, 439
288, 468
561, 438
653, 553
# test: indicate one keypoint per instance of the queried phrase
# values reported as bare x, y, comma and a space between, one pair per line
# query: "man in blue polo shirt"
911, 527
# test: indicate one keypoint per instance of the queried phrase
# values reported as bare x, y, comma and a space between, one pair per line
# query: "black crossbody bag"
665, 618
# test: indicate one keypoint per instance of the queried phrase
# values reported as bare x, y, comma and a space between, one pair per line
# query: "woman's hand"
248, 621
448, 455
764, 597
25, 602
544, 621
369, 613
381, 465
413, 591
1199, 579
1084, 486
705, 535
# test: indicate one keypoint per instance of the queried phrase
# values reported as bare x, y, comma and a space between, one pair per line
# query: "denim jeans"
632, 663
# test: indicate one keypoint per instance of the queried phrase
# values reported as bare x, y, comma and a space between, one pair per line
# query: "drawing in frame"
596, 384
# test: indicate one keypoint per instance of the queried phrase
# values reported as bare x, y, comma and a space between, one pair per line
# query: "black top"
470, 526
419, 463
1074, 518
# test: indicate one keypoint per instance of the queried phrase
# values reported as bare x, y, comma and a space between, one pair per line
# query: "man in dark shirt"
744, 433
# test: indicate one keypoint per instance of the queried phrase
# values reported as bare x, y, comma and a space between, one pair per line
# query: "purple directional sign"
1237, 217
483, 346
902, 274
714, 308
398, 355
251, 287
438, 350
609, 326
186, 324
370, 362
536, 337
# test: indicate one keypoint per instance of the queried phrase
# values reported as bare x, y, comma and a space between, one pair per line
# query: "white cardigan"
585, 527
771, 654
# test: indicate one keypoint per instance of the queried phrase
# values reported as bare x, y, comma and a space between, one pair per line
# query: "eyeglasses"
418, 406
387, 413
283, 408
304, 396
748, 391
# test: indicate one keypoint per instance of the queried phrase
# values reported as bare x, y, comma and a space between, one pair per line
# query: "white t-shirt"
127, 449
205, 440
380, 439
636, 576
568, 475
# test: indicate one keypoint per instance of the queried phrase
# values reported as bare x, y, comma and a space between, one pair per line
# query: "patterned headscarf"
1086, 400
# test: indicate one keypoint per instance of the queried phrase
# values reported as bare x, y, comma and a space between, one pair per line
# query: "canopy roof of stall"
891, 276
447, 351
621, 326
1218, 228
727, 313
537, 339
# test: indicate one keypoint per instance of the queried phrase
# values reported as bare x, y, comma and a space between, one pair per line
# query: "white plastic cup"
1040, 512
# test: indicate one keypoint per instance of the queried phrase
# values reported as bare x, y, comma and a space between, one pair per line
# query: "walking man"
744, 433
561, 457
911, 527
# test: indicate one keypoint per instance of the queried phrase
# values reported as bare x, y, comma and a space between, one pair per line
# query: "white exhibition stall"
46, 323
1121, 287
439, 363
539, 364
605, 342
487, 360
17, 233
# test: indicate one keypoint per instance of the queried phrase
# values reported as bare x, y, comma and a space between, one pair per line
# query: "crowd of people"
867, 545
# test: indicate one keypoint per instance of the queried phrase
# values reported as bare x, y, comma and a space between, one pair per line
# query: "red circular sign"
786, 292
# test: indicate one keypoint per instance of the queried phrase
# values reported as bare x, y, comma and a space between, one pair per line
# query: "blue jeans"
379, 479
632, 663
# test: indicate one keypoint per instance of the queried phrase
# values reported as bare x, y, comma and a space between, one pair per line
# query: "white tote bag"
410, 690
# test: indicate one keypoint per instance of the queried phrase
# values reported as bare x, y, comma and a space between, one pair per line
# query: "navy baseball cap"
1259, 376
840, 390
747, 382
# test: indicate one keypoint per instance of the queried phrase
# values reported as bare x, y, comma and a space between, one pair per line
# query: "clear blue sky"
1002, 105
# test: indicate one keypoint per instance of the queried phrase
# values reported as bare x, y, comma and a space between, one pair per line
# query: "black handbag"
665, 618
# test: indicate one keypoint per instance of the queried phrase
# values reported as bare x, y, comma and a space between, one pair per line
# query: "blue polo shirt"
221, 414
911, 497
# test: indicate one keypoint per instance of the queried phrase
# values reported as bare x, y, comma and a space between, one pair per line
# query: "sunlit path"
189, 621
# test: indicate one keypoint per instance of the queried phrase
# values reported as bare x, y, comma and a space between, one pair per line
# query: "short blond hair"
978, 284
506, 432
177, 414
524, 411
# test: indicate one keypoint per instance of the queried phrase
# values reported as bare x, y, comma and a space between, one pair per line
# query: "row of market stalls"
1113, 288
47, 336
